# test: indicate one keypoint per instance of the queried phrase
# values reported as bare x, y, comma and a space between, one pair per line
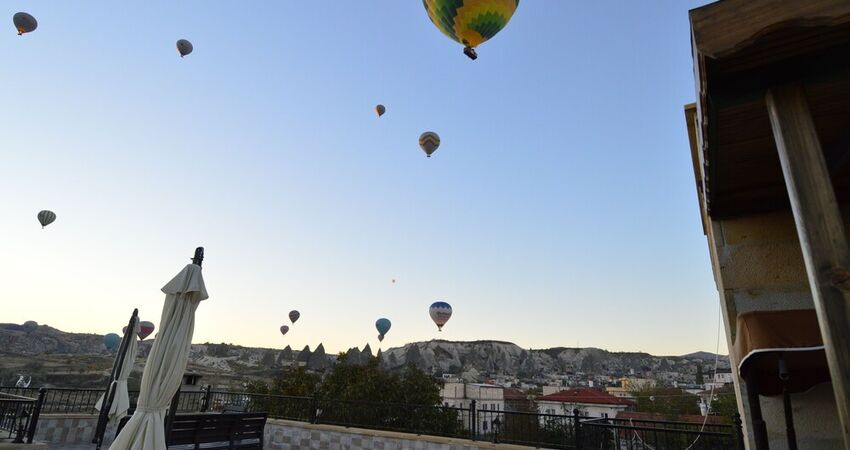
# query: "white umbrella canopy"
166, 362
121, 401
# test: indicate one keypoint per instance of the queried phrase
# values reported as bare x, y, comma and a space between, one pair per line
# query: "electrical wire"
711, 396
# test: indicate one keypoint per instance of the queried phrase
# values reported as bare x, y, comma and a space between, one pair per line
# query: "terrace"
68, 421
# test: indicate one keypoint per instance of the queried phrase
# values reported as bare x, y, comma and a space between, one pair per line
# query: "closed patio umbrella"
166, 362
121, 401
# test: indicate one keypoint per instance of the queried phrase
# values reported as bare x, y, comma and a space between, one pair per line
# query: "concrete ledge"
8, 445
439, 440
68, 416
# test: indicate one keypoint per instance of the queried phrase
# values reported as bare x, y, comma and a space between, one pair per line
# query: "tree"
288, 396
670, 402
725, 403
699, 375
268, 360
360, 395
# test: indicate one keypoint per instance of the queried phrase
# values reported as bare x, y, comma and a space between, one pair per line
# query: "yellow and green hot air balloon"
470, 22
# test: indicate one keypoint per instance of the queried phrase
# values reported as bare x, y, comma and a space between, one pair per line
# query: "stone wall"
71, 429
758, 266
66, 428
288, 435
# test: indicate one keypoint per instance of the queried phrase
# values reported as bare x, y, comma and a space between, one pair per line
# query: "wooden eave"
740, 49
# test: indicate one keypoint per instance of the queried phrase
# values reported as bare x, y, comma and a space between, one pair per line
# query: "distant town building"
517, 400
191, 382
487, 397
721, 378
620, 392
589, 402
547, 390
634, 384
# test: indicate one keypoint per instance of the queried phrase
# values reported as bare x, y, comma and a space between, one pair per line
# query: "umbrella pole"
790, 432
109, 393
198, 259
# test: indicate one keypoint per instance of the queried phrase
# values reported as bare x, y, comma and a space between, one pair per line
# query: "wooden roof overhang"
740, 49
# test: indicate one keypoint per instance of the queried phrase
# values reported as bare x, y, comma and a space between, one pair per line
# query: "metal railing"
628, 434
277, 406
61, 400
568, 432
527, 428
407, 418
19, 416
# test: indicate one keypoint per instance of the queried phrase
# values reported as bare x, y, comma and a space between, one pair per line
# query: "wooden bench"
232, 431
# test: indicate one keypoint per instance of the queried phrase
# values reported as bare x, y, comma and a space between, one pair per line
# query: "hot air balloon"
24, 23
46, 217
111, 341
184, 47
145, 329
429, 142
293, 316
383, 325
30, 326
440, 313
470, 22
380, 110
381, 338
284, 329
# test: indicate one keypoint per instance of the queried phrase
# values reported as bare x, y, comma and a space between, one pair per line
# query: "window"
604, 415
484, 425
447, 404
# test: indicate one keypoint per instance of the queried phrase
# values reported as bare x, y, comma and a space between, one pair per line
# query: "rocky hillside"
476, 359
505, 358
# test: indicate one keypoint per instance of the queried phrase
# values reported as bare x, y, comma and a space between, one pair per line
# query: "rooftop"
583, 395
515, 394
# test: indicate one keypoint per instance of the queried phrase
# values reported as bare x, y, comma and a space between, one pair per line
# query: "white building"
620, 392
589, 402
723, 376
487, 397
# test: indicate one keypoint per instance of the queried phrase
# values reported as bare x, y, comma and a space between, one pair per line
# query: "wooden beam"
821, 231
722, 28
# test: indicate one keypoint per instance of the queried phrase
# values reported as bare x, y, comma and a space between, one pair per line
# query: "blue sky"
560, 209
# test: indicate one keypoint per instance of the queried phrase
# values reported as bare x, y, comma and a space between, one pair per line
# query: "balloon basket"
470, 52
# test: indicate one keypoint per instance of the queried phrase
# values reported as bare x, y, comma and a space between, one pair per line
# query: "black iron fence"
628, 434
419, 419
568, 432
61, 400
19, 416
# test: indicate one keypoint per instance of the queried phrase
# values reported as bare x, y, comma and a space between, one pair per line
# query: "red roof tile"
515, 394
584, 395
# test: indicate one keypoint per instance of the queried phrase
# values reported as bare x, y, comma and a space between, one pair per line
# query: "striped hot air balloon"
46, 217
470, 22
440, 313
429, 142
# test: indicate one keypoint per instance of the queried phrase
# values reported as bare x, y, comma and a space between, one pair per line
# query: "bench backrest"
224, 429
